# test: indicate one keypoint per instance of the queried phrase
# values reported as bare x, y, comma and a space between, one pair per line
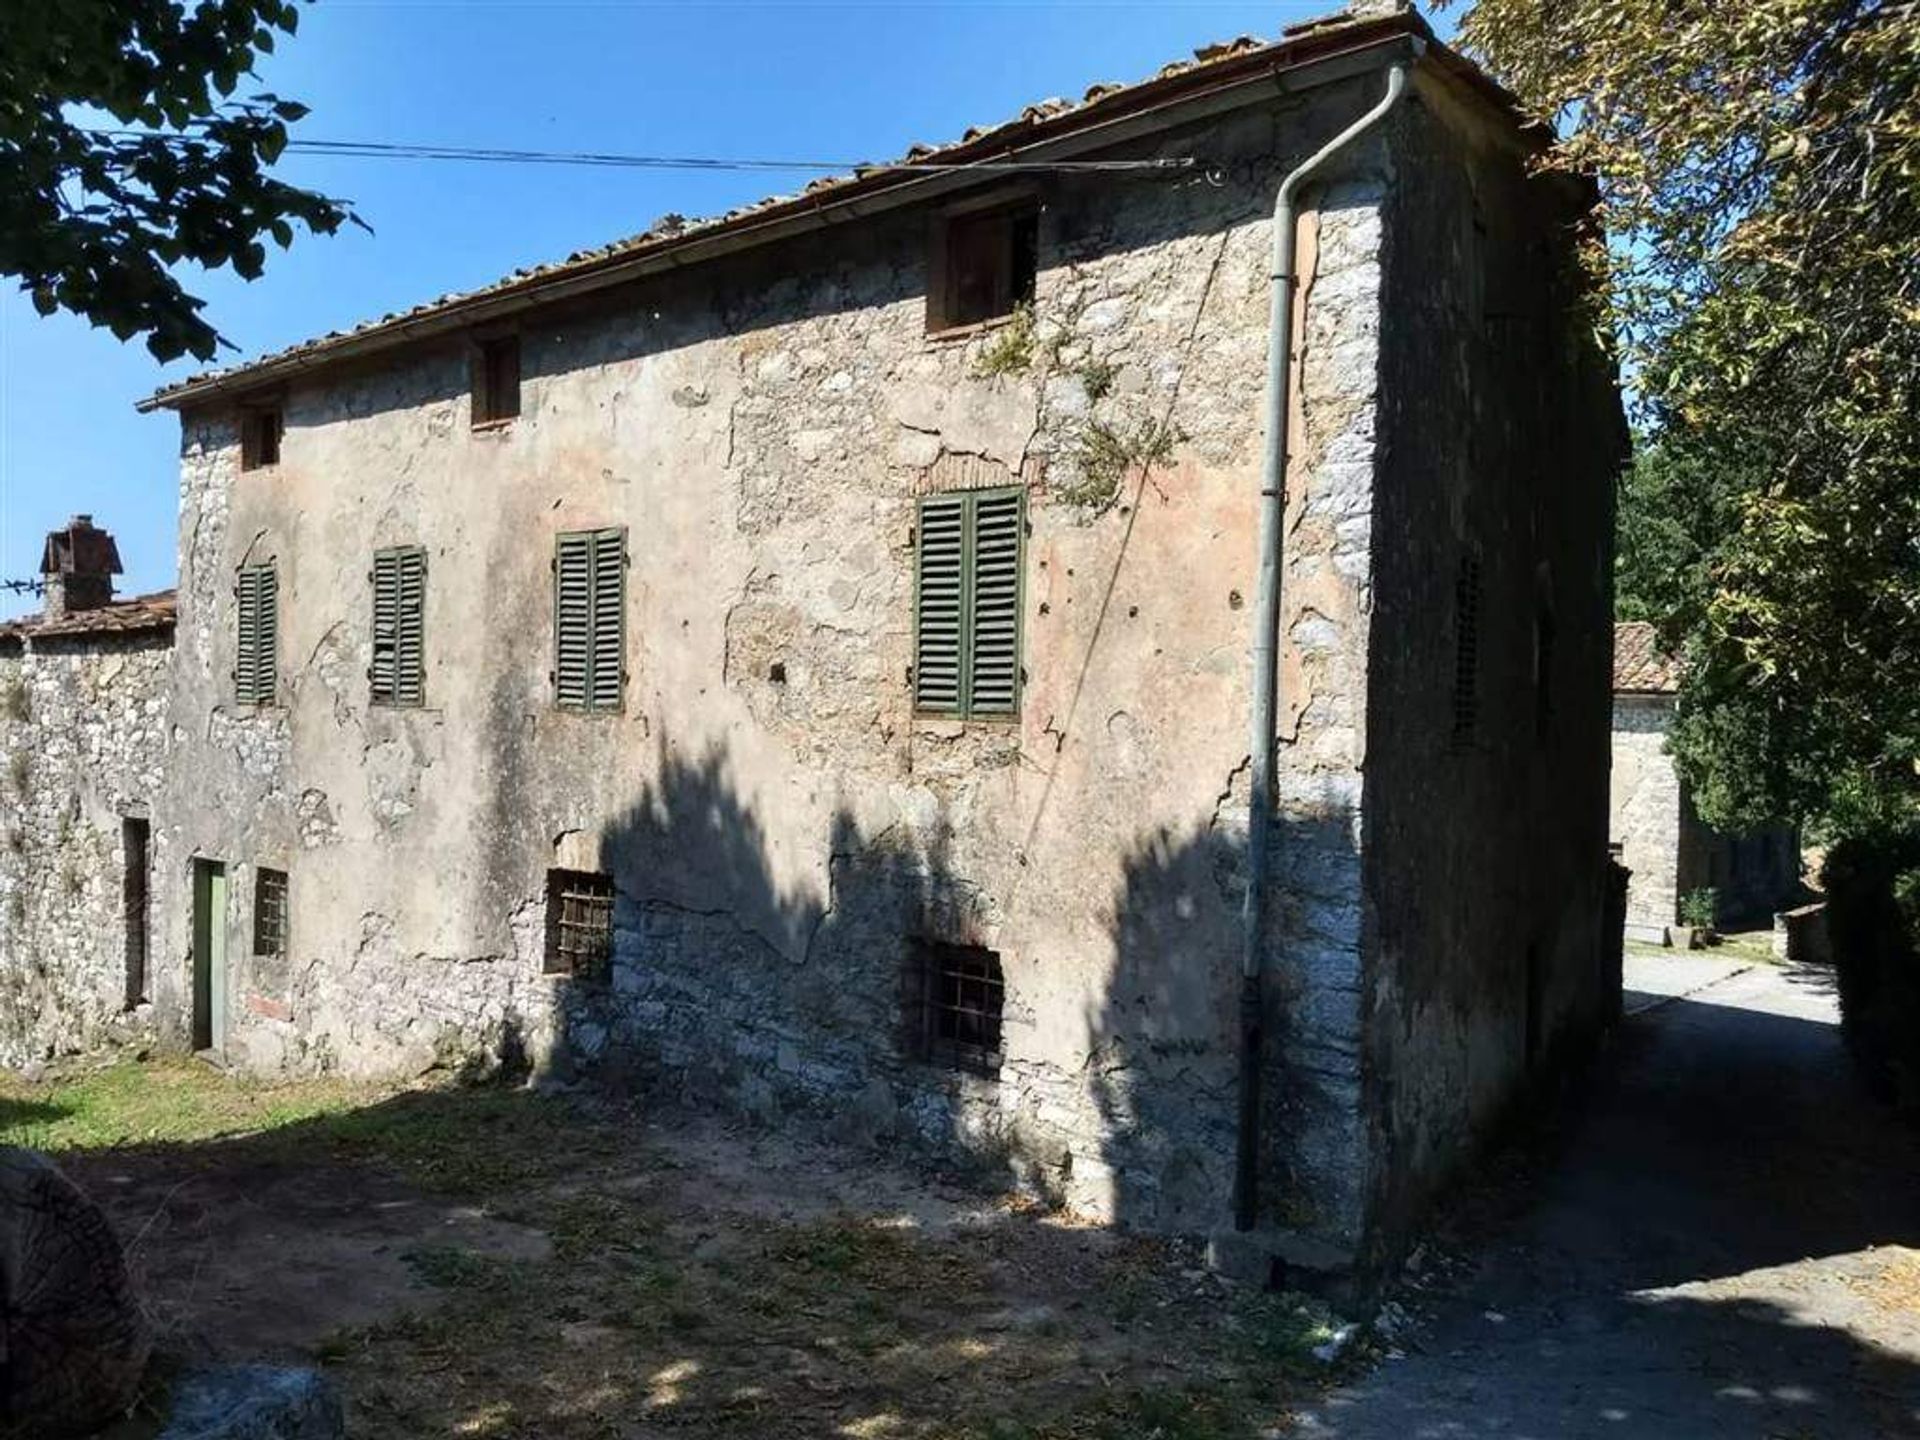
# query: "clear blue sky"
788, 80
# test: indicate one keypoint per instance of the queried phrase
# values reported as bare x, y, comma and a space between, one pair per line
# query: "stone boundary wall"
83, 746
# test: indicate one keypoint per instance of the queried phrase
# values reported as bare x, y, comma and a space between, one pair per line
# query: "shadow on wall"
735, 981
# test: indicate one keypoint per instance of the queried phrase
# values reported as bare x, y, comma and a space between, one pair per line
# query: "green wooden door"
209, 955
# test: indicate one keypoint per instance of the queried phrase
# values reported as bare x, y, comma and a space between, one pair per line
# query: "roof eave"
1304, 63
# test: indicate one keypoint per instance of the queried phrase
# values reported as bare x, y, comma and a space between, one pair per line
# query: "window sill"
954, 334
966, 722
492, 427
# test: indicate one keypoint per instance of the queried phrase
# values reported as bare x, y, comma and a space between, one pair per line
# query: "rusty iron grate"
962, 995
269, 911
579, 924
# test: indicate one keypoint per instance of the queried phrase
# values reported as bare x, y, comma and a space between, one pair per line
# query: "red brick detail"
271, 1009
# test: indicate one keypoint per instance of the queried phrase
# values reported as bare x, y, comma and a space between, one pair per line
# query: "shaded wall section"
1485, 822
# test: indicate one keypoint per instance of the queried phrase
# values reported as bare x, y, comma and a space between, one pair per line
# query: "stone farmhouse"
805, 661
1670, 851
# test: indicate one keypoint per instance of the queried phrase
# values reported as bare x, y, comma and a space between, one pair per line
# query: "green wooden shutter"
410, 633
967, 603
940, 604
257, 648
398, 674
993, 670
572, 619
609, 619
386, 625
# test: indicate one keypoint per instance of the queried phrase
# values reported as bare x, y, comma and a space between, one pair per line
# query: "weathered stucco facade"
782, 830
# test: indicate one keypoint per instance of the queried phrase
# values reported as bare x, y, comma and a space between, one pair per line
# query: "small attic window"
260, 430
496, 380
984, 265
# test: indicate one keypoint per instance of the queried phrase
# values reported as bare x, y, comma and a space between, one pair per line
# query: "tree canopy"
1759, 165
124, 152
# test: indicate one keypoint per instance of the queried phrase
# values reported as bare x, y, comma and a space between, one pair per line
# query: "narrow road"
1726, 1243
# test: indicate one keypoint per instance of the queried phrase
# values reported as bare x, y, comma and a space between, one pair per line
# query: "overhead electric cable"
387, 150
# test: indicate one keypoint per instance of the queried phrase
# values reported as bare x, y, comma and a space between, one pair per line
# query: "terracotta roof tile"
1640, 666
132, 616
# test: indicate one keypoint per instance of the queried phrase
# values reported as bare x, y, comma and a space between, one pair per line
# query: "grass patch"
160, 1102
663, 1304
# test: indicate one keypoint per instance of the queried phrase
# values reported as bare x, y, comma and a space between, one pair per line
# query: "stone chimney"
78, 567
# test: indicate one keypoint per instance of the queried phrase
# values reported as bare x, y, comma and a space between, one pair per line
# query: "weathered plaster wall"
1646, 809
1484, 842
762, 426
83, 738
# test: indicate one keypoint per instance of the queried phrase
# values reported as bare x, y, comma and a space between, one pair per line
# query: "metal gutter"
1243, 83
1266, 634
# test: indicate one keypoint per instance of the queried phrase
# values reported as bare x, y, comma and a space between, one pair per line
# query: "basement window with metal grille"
495, 380
967, 600
1466, 653
261, 427
397, 675
579, 924
589, 620
961, 995
984, 265
256, 661
269, 912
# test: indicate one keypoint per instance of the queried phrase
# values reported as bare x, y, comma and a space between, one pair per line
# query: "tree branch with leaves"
124, 154
1759, 165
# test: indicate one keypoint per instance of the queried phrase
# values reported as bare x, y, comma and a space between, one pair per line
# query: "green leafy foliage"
1759, 170
124, 153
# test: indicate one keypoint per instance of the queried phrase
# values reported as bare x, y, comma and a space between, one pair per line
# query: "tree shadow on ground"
501, 1261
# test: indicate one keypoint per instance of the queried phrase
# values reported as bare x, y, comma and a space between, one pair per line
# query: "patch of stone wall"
83, 745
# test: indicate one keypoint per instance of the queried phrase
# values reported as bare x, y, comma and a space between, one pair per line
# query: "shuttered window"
589, 619
257, 654
967, 603
399, 672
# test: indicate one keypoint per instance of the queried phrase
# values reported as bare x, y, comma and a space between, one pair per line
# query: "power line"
385, 150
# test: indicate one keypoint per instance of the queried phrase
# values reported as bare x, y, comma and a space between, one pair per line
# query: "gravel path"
1727, 1243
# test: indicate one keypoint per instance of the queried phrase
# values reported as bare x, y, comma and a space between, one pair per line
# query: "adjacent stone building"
801, 660
84, 688
1670, 852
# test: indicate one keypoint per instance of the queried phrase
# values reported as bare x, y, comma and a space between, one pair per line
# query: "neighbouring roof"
137, 614
1222, 65
1640, 666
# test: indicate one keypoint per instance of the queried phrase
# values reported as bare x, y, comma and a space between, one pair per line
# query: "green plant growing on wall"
1010, 352
1097, 376
1697, 908
19, 772
14, 704
1107, 453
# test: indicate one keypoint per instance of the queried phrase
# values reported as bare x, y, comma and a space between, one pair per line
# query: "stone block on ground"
75, 1337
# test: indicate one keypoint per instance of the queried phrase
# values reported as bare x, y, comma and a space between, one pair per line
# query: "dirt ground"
499, 1262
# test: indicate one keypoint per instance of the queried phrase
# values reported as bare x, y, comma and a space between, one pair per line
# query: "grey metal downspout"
1266, 628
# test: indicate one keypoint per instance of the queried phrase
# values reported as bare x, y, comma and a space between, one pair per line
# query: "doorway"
209, 955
